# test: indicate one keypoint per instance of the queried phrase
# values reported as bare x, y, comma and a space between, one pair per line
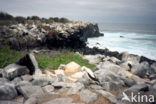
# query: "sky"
101, 11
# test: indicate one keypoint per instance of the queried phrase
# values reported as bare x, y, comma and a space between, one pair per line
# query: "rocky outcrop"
72, 35
88, 96
123, 57
75, 84
30, 90
69, 35
60, 101
13, 70
7, 91
30, 62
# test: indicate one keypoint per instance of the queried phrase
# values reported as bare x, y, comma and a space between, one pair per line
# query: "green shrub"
59, 20
35, 18
5, 16
8, 56
20, 19
64, 20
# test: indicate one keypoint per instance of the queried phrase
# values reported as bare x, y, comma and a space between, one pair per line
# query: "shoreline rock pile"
24, 83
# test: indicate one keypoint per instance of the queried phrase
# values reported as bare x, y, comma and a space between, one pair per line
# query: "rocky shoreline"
107, 52
23, 82
115, 76
56, 35
72, 36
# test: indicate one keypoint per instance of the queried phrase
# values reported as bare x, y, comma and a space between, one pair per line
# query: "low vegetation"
45, 60
8, 56
8, 19
5, 16
61, 58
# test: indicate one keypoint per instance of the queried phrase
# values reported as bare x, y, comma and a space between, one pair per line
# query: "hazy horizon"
100, 11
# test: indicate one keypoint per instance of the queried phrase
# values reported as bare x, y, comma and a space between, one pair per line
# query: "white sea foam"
135, 43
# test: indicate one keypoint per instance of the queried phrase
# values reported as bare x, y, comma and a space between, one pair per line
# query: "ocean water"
136, 39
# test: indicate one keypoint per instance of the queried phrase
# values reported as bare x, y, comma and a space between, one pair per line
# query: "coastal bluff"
55, 35
30, 79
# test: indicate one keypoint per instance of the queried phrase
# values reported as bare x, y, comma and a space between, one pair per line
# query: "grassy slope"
61, 58
8, 56
45, 60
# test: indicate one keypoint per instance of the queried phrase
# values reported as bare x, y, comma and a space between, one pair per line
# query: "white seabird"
90, 73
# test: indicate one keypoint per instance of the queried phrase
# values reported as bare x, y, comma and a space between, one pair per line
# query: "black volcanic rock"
30, 61
56, 35
72, 35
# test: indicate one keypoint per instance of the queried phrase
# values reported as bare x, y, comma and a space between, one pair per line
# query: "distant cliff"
56, 35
